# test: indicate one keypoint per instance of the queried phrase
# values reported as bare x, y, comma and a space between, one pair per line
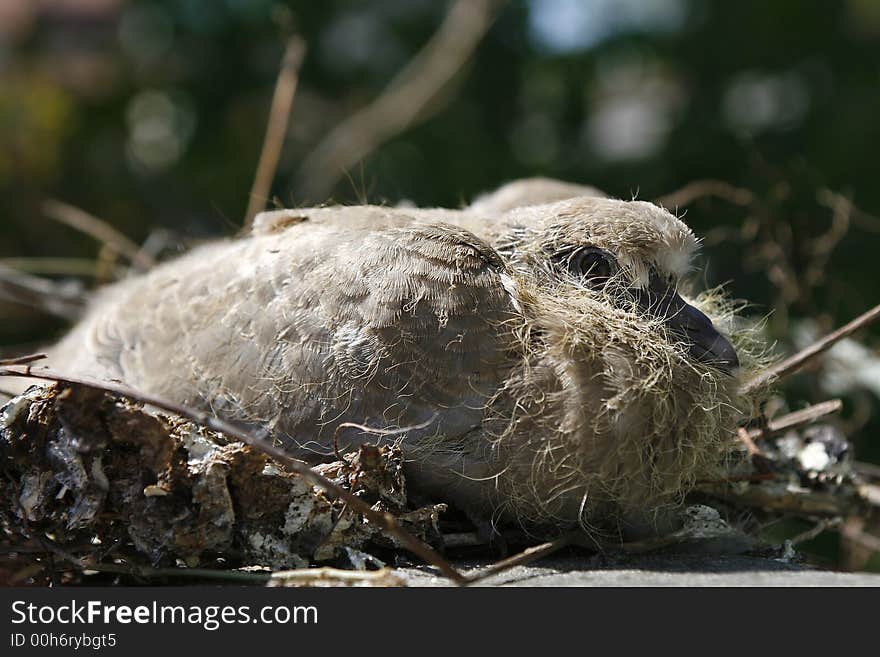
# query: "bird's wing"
314, 326
417, 313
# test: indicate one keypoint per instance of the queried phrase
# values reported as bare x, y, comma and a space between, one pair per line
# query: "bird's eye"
589, 263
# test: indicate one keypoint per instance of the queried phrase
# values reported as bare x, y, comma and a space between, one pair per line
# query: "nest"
98, 475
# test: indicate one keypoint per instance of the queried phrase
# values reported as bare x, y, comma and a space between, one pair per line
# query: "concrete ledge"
657, 570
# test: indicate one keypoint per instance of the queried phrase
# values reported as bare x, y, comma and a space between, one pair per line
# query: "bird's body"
537, 360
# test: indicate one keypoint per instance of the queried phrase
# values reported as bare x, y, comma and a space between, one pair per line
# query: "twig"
98, 229
21, 360
62, 299
702, 188
814, 531
862, 219
788, 500
383, 576
746, 440
53, 266
796, 419
871, 470
871, 494
276, 128
576, 538
823, 246
200, 573
404, 100
857, 535
384, 520
795, 362
526, 556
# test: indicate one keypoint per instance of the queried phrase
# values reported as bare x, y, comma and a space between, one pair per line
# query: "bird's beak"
705, 343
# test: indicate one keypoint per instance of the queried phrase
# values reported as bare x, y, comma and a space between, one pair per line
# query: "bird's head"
631, 256
627, 391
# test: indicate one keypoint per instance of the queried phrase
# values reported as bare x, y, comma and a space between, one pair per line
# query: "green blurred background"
150, 114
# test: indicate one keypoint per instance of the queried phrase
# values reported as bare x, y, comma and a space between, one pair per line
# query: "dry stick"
702, 188
814, 531
403, 102
867, 469
526, 556
746, 440
796, 419
53, 297
53, 266
326, 574
100, 230
384, 520
201, 573
795, 362
574, 538
861, 537
22, 360
276, 128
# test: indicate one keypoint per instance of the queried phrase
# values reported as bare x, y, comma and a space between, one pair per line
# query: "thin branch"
403, 103
539, 551
796, 419
820, 527
794, 363
871, 470
707, 188
63, 299
526, 556
22, 360
309, 576
276, 128
871, 493
200, 573
384, 520
861, 218
864, 539
746, 440
54, 266
98, 229
788, 500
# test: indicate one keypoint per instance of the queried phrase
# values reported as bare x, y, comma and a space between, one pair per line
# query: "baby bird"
537, 361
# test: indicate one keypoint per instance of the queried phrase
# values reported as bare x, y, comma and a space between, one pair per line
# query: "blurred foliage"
150, 114
36, 117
